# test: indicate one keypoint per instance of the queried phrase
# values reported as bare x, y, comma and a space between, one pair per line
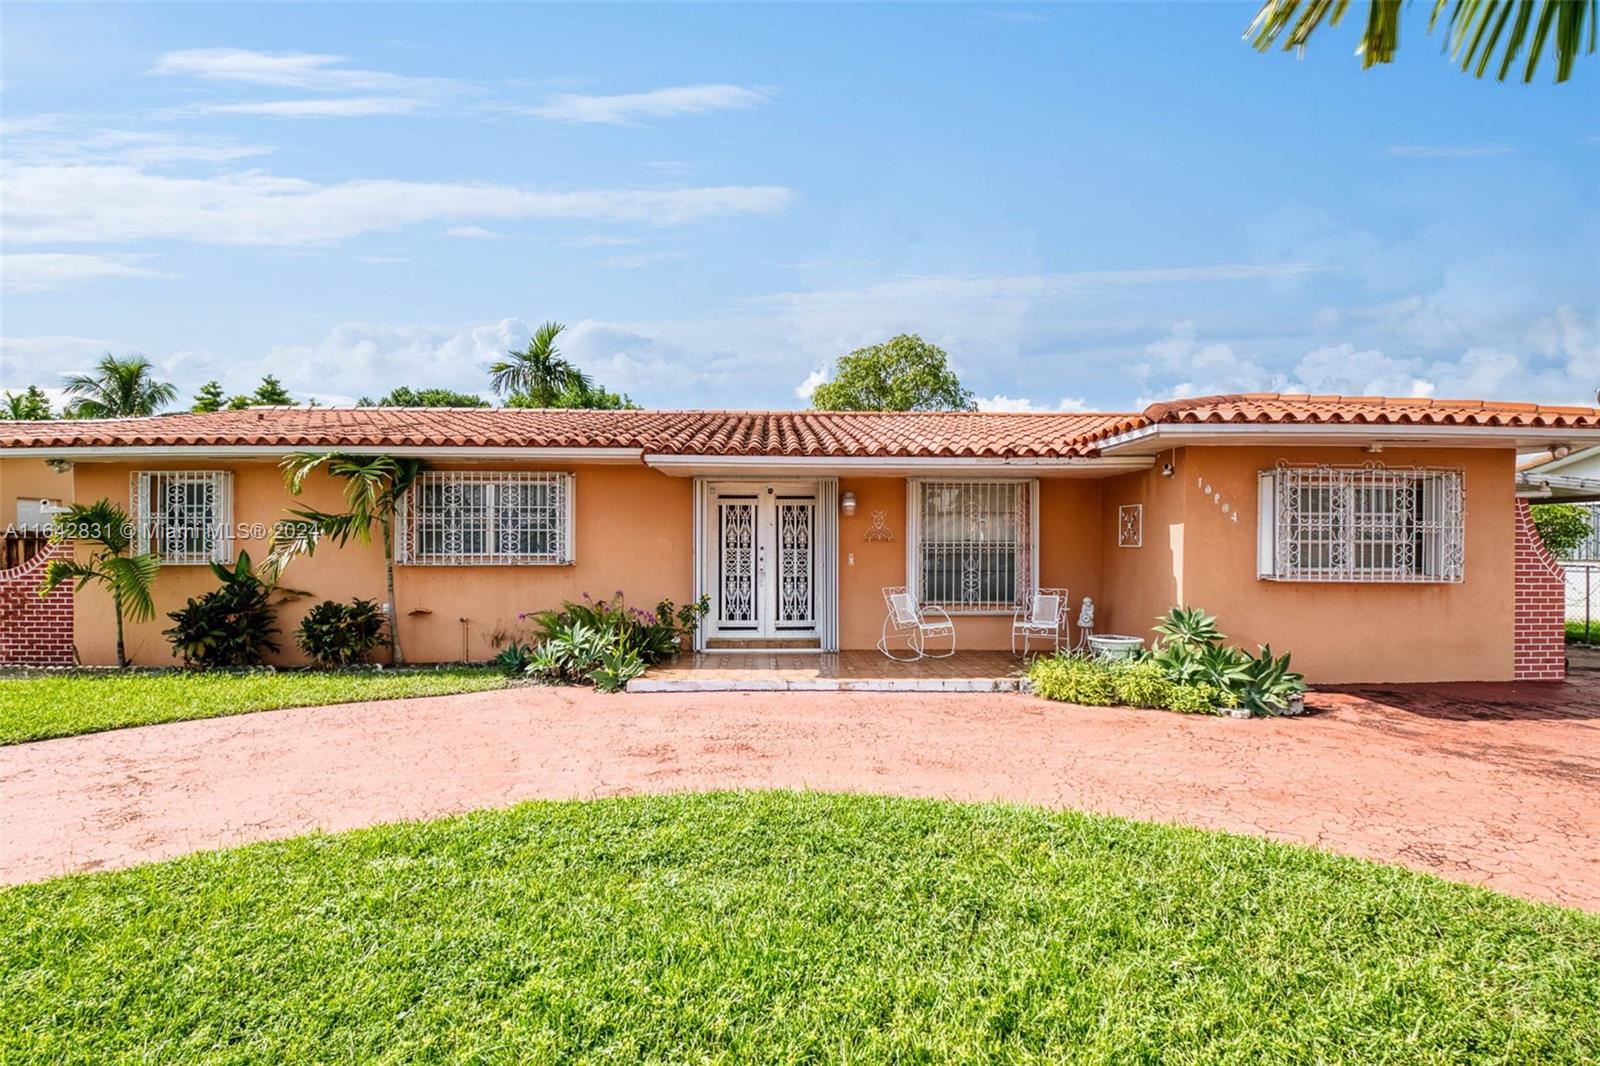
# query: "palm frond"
131, 578
60, 571
1477, 31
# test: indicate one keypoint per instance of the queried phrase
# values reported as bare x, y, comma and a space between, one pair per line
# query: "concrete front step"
825, 684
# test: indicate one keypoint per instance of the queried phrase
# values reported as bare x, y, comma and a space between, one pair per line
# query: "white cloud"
288, 70
44, 360
325, 107
122, 203
1558, 363
33, 271
472, 233
383, 259
622, 108
1447, 151
1002, 402
599, 241
804, 390
637, 260
52, 143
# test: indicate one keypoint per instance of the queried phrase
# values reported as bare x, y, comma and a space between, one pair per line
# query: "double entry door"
762, 559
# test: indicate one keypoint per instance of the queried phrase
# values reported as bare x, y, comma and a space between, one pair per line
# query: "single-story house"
1377, 539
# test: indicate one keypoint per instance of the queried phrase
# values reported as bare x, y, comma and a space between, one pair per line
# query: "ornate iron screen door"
763, 561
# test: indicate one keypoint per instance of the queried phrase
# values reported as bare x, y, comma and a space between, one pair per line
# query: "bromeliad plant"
603, 642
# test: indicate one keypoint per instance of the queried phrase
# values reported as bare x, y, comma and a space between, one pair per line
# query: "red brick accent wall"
34, 630
1541, 650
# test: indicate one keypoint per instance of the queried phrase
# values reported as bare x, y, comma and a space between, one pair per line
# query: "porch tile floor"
850, 671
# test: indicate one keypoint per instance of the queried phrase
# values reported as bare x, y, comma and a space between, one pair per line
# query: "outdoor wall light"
847, 504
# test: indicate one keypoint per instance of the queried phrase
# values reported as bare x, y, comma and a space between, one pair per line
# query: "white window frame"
412, 520
150, 491
1418, 538
1026, 581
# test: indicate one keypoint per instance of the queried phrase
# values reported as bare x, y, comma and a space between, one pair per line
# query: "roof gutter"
685, 465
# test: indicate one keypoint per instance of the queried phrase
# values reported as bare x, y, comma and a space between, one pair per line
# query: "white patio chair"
915, 624
1044, 618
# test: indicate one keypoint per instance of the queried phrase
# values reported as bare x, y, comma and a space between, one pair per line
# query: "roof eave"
1150, 440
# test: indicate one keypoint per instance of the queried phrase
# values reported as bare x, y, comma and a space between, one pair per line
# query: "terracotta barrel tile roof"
776, 433
1271, 408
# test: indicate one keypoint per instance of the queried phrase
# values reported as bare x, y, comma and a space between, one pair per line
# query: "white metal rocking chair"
1045, 618
914, 623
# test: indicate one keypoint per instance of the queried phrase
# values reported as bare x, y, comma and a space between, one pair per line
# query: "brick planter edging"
35, 630
1540, 648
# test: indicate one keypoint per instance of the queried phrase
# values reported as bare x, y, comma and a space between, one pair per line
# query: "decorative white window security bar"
971, 544
473, 518
1361, 524
183, 517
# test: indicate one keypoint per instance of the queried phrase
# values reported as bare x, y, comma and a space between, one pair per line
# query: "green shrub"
229, 626
340, 634
1562, 526
1140, 683
1195, 698
604, 642
1073, 680
1576, 633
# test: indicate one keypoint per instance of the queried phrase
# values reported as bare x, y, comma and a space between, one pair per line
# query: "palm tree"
373, 486
119, 388
538, 376
1475, 29
128, 577
32, 405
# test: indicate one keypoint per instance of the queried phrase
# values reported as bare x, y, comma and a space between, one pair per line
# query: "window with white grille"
183, 517
465, 518
1366, 523
971, 544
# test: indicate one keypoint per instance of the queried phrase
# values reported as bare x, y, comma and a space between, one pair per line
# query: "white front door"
762, 559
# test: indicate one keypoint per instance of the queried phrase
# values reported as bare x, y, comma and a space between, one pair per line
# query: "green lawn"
787, 927
37, 706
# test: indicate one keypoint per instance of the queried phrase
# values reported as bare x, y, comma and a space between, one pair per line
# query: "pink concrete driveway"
1494, 786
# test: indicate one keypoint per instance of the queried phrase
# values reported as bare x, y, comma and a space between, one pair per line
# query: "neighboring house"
1377, 539
1564, 475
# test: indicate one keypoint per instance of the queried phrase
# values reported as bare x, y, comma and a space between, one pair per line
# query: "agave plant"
1270, 684
1223, 667
1188, 625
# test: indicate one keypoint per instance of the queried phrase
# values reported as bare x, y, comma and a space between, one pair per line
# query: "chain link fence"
1583, 578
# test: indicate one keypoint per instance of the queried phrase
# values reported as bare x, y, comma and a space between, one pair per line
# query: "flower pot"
1114, 645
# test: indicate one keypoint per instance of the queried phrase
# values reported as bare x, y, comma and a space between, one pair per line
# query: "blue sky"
1086, 205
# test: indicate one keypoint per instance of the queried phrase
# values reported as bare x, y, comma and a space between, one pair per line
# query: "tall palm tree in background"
373, 485
1475, 30
118, 388
538, 376
129, 578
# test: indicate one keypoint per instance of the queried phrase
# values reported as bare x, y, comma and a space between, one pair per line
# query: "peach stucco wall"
634, 533
634, 530
29, 479
1196, 554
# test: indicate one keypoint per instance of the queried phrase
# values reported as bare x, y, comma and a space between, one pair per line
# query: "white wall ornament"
1130, 525
1216, 498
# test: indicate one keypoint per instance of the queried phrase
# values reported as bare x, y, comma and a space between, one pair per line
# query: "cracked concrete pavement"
1497, 785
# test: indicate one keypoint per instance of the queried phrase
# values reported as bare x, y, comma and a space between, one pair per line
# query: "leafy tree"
128, 577
591, 398
1562, 527
119, 388
905, 373
32, 405
271, 393
406, 396
240, 402
1475, 30
373, 486
210, 398
538, 376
